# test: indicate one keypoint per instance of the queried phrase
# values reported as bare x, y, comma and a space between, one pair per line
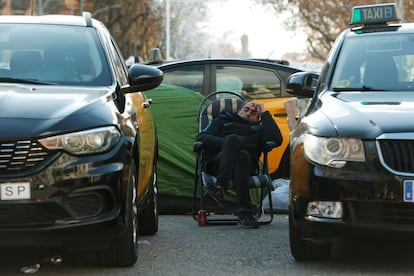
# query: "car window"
383, 62
65, 55
252, 83
119, 67
190, 77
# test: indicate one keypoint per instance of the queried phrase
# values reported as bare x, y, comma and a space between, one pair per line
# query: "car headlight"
332, 151
84, 142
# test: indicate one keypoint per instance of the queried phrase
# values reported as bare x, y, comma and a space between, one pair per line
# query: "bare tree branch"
323, 20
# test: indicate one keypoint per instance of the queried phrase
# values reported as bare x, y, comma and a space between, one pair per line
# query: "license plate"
15, 191
408, 190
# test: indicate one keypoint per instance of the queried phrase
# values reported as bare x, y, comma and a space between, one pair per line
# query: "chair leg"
197, 181
194, 208
269, 195
199, 214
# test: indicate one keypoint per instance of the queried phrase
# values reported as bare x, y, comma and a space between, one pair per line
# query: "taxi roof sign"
374, 14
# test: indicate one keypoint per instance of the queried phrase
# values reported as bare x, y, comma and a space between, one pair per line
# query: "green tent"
175, 113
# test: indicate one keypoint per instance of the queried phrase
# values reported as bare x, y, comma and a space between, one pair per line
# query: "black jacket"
254, 135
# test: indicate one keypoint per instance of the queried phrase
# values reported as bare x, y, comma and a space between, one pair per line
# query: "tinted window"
190, 77
252, 83
383, 62
58, 54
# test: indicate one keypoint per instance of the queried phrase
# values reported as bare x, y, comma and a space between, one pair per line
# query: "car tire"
123, 250
148, 218
303, 250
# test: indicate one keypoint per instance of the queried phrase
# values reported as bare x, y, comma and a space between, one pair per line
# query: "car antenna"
271, 53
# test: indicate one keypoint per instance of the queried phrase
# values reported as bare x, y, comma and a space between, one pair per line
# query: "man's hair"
245, 103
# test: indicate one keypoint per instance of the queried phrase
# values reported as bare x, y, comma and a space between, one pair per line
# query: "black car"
78, 147
352, 151
254, 79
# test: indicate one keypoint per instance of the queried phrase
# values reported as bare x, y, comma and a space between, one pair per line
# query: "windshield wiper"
363, 88
31, 81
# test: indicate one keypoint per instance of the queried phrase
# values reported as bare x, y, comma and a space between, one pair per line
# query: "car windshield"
375, 62
52, 54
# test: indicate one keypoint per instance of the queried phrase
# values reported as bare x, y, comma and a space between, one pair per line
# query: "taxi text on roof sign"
374, 14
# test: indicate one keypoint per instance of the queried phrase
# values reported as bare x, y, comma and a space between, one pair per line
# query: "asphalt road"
181, 247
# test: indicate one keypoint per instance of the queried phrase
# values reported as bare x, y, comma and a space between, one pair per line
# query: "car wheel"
303, 250
148, 218
123, 250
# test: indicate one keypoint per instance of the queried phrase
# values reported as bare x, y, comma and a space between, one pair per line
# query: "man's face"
249, 112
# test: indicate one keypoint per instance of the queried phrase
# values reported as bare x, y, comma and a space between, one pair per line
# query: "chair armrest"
197, 147
269, 146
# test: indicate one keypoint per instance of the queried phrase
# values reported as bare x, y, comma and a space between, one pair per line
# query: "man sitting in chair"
234, 143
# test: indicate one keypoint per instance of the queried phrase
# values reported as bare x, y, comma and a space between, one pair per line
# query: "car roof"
73, 20
390, 28
232, 61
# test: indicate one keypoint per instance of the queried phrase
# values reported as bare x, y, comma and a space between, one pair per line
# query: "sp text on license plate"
15, 191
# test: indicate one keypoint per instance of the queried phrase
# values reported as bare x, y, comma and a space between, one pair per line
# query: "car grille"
382, 213
18, 156
68, 209
398, 155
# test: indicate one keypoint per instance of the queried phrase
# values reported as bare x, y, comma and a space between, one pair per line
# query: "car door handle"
280, 115
147, 103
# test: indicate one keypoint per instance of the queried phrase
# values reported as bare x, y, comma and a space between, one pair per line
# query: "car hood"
40, 110
369, 114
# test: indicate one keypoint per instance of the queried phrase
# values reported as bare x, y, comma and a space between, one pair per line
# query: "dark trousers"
235, 163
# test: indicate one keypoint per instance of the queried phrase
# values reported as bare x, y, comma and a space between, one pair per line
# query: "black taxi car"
352, 151
262, 80
78, 147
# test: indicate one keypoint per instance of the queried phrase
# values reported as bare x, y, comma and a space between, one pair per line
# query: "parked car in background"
254, 79
78, 147
352, 151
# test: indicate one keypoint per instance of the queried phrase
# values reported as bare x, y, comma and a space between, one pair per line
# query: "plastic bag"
280, 197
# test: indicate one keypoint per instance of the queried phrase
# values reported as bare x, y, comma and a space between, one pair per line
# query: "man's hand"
260, 107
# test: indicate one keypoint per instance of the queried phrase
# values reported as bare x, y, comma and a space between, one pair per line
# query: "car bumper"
320, 230
372, 203
73, 201
97, 236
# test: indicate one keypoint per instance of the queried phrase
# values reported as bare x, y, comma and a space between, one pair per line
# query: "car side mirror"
302, 84
143, 77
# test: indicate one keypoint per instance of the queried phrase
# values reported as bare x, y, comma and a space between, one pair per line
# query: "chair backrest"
25, 61
213, 110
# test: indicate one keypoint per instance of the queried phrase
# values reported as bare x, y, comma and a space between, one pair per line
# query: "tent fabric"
175, 111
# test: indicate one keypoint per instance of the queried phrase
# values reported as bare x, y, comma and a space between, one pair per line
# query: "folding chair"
207, 209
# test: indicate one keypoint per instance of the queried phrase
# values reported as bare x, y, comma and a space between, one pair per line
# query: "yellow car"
175, 107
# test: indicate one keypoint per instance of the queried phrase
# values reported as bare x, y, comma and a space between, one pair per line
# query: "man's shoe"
246, 220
